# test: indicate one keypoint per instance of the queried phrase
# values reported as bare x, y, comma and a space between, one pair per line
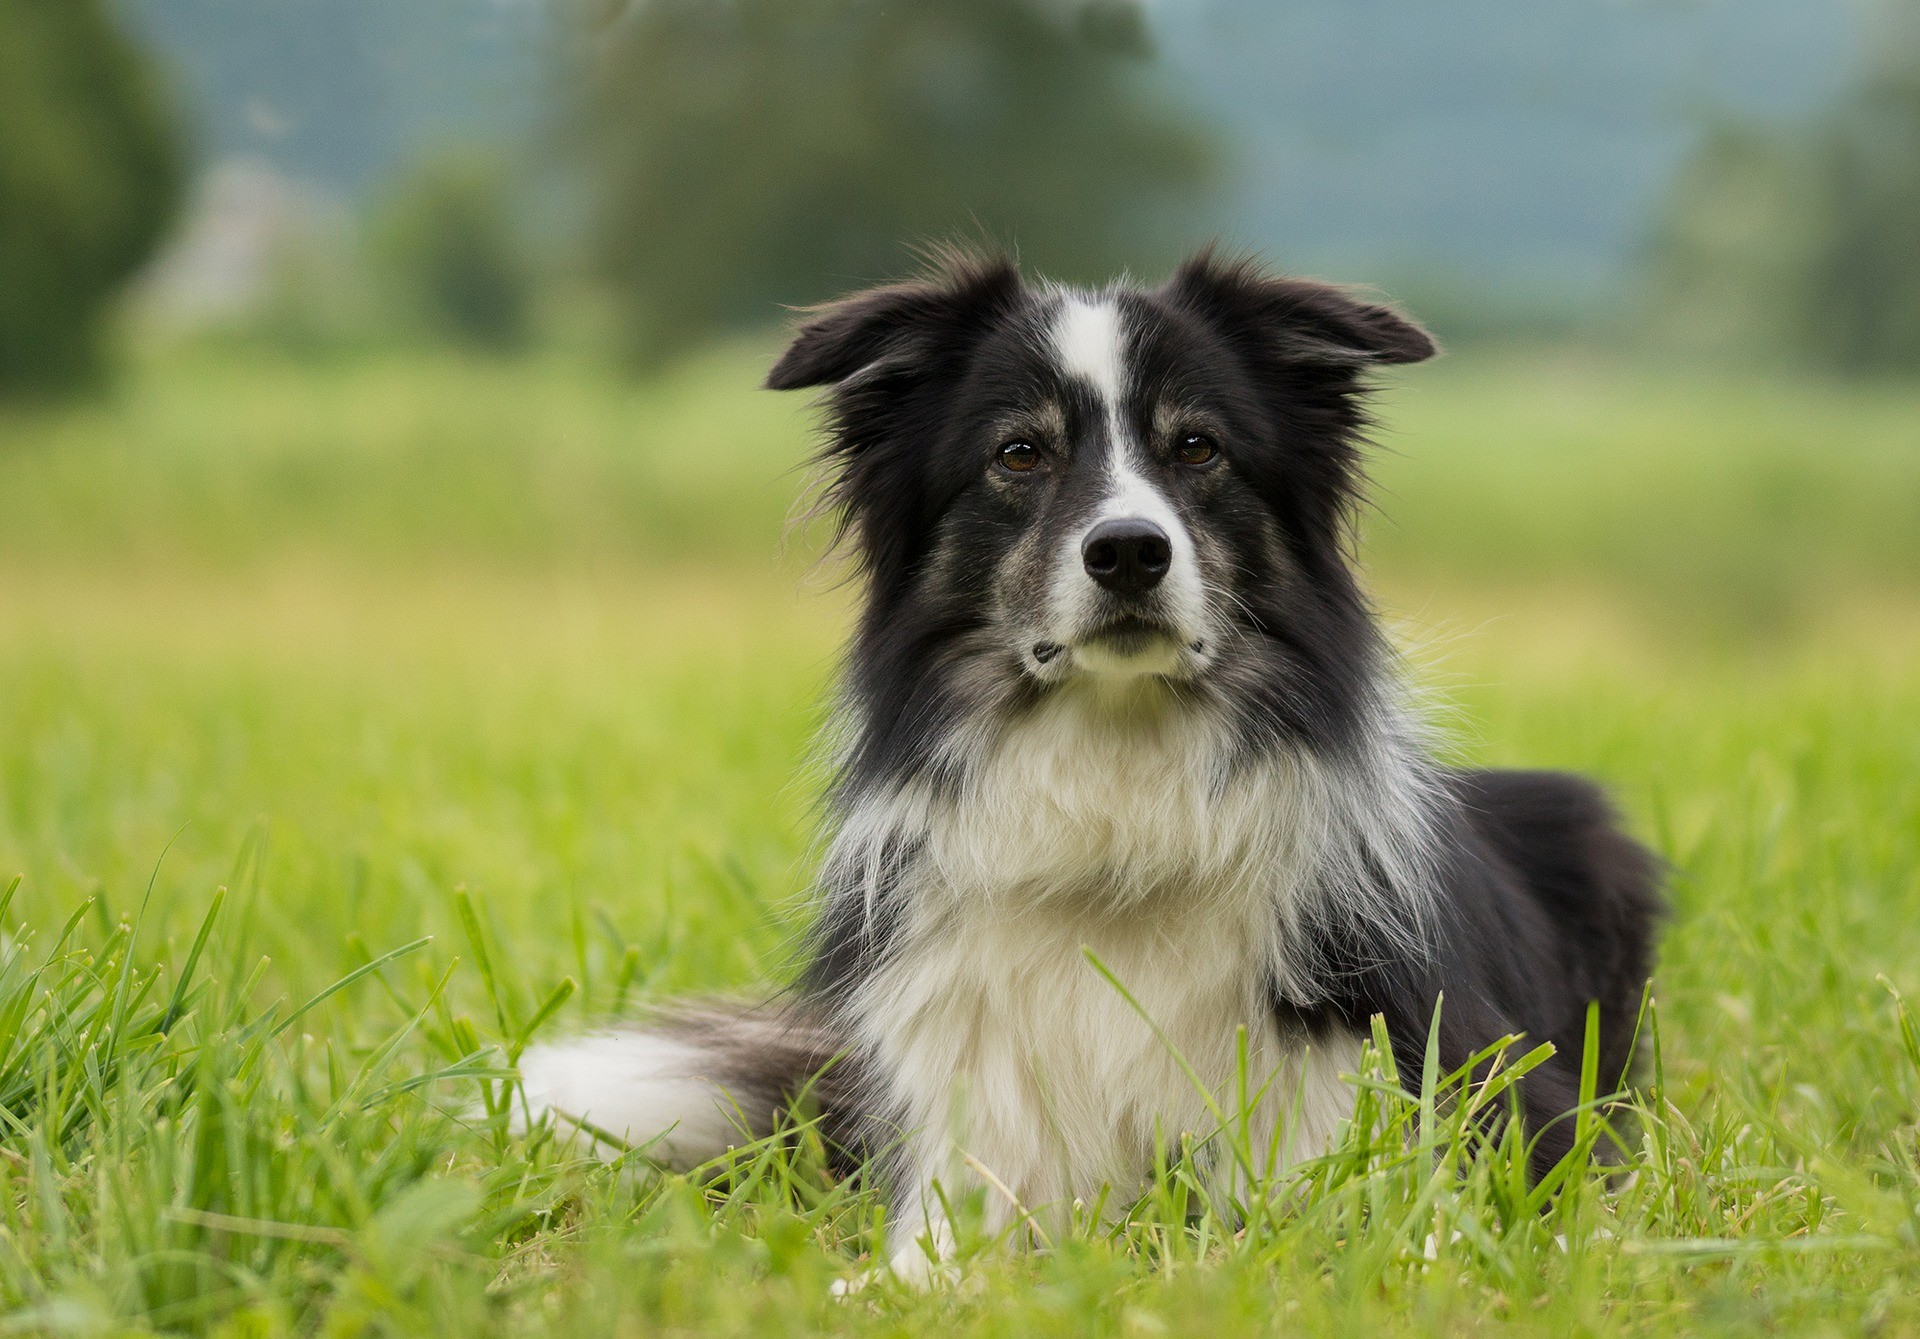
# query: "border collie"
1116, 693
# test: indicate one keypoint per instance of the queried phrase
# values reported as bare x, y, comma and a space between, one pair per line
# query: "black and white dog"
1116, 688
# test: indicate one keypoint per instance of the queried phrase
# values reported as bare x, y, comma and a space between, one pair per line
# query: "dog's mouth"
1130, 635
1128, 644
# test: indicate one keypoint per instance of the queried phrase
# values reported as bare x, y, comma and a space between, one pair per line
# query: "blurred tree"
743, 153
448, 244
1734, 254
1806, 245
1863, 306
91, 172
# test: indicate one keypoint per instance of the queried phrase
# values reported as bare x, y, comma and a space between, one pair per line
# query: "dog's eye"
1195, 448
1019, 457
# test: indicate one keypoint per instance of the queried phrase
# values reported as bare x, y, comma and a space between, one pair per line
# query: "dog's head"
1126, 486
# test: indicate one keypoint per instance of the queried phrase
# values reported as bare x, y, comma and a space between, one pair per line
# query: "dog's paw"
911, 1267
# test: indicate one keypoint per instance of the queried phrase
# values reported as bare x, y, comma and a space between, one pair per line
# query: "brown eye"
1019, 457
1195, 448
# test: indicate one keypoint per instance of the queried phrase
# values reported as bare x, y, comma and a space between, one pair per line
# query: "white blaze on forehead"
1086, 338
1089, 343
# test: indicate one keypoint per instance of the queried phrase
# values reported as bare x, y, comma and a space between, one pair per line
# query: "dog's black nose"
1127, 556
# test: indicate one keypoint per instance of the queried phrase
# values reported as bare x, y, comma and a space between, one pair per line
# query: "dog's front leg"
920, 1241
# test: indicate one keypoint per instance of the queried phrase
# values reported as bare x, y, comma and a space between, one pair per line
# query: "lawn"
358, 723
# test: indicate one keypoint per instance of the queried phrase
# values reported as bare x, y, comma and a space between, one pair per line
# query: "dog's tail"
686, 1085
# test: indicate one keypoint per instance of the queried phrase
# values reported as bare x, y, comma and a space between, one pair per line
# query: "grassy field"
358, 724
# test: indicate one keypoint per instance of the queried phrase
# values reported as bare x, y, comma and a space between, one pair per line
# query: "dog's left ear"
1298, 320
960, 291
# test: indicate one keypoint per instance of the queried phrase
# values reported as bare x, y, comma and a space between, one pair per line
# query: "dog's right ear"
961, 292
1299, 321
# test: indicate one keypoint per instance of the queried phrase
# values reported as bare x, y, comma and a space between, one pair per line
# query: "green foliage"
765, 151
448, 246
1801, 244
90, 176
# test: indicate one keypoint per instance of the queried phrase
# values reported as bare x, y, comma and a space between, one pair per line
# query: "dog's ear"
1299, 320
960, 291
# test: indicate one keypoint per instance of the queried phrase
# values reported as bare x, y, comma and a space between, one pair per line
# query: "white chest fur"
1012, 1059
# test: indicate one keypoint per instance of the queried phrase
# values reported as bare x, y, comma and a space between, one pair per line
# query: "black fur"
1546, 905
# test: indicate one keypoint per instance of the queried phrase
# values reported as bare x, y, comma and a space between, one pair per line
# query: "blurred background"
493, 279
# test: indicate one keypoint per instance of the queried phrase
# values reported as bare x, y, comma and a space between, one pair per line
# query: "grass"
341, 728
